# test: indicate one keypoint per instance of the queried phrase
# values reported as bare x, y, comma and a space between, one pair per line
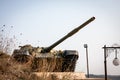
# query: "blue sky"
42, 22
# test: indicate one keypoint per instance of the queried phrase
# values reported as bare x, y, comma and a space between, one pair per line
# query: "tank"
46, 59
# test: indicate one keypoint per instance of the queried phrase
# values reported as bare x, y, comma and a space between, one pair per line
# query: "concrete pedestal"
66, 75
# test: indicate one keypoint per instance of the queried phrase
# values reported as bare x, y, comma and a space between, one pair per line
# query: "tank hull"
54, 64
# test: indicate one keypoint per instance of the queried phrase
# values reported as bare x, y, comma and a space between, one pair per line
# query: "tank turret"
45, 59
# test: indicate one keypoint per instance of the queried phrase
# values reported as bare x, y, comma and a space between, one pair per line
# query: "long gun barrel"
45, 50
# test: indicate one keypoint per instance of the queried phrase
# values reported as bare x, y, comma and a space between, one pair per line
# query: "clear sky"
42, 22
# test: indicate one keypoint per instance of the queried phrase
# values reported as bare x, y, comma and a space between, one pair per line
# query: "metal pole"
87, 62
85, 46
105, 62
116, 53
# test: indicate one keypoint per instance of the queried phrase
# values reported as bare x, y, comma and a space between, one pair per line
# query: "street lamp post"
85, 46
116, 61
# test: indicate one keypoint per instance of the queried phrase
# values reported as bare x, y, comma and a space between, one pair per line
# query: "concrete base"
93, 79
66, 75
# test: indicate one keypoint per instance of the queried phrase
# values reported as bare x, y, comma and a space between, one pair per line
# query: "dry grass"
7, 43
10, 69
